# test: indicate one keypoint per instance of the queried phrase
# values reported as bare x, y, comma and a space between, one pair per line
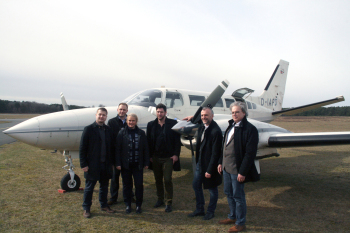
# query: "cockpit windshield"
147, 98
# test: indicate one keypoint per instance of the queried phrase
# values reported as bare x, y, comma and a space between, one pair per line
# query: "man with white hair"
237, 164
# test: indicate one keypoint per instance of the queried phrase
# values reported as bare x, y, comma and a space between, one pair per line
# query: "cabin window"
147, 98
219, 104
249, 105
254, 105
173, 100
229, 102
196, 100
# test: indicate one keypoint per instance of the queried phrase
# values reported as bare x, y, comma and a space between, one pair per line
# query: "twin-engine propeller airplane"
62, 130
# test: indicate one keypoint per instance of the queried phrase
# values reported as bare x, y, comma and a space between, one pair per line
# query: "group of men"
230, 156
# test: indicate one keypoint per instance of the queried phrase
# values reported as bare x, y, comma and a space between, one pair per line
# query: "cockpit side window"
173, 100
196, 100
147, 98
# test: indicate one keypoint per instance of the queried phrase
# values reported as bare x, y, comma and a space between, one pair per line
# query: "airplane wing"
64, 102
308, 139
308, 107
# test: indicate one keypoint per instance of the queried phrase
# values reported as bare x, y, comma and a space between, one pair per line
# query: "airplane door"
174, 103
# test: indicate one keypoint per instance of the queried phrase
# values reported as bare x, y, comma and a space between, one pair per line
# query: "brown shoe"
86, 214
227, 221
237, 228
111, 202
108, 210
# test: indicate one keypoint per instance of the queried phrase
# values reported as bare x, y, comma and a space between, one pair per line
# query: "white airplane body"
62, 130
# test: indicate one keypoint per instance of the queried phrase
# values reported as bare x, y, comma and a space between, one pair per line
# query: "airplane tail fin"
272, 96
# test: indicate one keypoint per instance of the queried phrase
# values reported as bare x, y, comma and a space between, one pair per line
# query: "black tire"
67, 185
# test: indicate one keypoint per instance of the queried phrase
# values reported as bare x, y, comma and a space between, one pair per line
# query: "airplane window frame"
173, 100
228, 102
199, 99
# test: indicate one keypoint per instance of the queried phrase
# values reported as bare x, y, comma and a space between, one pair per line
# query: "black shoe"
159, 203
196, 213
208, 216
128, 209
168, 208
138, 210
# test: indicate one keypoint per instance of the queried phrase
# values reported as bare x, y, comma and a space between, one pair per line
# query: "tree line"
7, 106
329, 111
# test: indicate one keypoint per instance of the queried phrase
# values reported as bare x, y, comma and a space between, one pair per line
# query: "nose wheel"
70, 181
70, 185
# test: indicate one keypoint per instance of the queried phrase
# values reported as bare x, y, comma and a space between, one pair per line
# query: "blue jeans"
198, 190
89, 189
234, 191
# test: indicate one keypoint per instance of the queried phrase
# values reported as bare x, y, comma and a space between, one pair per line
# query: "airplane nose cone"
27, 131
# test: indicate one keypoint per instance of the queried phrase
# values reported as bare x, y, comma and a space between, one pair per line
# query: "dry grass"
304, 190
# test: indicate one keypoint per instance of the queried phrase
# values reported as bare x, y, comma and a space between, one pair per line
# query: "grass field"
304, 190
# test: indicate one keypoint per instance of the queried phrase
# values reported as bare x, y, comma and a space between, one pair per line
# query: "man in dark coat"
237, 164
97, 160
164, 146
208, 149
117, 123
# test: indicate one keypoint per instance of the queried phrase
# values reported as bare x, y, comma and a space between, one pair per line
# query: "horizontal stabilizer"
308, 107
309, 139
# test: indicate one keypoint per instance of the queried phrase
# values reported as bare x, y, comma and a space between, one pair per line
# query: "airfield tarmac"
4, 139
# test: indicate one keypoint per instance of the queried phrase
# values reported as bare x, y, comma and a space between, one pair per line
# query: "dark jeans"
198, 190
115, 184
163, 168
128, 175
89, 189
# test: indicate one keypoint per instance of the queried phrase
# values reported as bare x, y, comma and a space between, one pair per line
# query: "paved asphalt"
4, 139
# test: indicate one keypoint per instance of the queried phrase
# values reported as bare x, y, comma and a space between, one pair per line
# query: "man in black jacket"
97, 160
117, 123
208, 149
237, 164
164, 147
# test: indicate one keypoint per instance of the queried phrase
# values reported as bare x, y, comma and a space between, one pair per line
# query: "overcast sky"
100, 52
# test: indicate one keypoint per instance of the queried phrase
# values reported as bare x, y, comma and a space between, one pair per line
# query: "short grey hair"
240, 104
211, 110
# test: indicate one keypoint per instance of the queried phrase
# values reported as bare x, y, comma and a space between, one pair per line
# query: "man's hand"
187, 118
220, 169
174, 158
207, 175
85, 169
240, 178
119, 167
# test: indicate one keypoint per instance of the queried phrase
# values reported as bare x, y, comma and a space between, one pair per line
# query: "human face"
161, 114
237, 114
122, 110
206, 117
101, 117
131, 122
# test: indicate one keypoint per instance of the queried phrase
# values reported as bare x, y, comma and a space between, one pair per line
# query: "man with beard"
164, 147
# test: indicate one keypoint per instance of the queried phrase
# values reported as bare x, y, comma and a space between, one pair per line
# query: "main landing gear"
70, 181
